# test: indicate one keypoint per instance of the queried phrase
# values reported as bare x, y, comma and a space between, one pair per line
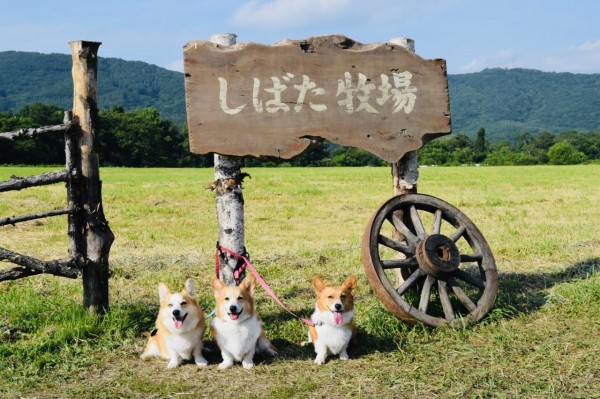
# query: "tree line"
142, 138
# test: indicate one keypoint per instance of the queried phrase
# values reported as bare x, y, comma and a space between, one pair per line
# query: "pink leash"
262, 282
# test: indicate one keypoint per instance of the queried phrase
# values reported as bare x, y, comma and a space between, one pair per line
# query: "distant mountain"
509, 101
26, 78
505, 102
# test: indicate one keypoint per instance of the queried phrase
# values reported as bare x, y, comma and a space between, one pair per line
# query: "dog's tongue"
178, 323
338, 317
234, 316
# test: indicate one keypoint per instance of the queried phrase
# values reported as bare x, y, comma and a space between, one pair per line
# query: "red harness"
240, 270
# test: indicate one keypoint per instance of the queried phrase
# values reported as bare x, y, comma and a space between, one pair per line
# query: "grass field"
541, 339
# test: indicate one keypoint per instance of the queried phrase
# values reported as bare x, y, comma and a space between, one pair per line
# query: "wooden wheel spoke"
414, 277
470, 279
425, 294
468, 258
404, 230
437, 222
417, 223
395, 245
463, 297
445, 299
400, 263
458, 233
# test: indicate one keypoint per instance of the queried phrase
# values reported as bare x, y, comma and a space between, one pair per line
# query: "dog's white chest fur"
237, 338
183, 344
333, 337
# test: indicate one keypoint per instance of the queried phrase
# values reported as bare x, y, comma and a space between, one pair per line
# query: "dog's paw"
248, 365
344, 354
225, 365
202, 362
172, 364
320, 360
271, 352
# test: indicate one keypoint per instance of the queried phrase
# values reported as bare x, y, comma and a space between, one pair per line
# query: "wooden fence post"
94, 237
229, 197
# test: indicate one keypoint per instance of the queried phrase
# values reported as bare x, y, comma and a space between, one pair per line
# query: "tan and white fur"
236, 326
333, 318
179, 328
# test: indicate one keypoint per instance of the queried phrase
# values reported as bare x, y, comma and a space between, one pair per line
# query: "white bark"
229, 200
405, 171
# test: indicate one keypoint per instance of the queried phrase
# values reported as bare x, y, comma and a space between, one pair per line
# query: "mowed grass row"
540, 340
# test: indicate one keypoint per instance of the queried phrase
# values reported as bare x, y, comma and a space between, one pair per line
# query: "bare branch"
19, 183
28, 133
63, 267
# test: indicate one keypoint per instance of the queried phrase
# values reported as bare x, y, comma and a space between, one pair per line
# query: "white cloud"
278, 14
590, 46
584, 58
506, 58
176, 65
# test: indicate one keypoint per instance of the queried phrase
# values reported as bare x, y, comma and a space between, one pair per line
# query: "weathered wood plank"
253, 99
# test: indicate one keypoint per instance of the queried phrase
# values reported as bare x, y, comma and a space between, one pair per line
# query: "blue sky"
549, 35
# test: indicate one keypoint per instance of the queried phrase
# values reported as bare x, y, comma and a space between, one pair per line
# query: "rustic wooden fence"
90, 238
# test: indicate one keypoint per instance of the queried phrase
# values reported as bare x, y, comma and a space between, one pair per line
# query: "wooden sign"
271, 100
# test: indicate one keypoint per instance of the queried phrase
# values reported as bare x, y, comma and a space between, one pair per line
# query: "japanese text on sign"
363, 95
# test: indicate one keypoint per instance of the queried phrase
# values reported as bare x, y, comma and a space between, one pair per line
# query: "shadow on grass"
525, 293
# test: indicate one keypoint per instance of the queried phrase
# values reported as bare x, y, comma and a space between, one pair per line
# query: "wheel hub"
438, 256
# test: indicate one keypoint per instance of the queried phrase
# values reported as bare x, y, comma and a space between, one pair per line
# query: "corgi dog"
236, 326
333, 318
179, 328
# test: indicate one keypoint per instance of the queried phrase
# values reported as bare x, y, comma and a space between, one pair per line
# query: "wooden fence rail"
90, 237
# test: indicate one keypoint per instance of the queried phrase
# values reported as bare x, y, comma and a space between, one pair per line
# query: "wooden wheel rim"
446, 283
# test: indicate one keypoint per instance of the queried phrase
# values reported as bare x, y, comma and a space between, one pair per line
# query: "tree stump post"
229, 198
405, 171
93, 236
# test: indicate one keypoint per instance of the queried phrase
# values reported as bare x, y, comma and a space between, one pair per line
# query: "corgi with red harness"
333, 318
236, 325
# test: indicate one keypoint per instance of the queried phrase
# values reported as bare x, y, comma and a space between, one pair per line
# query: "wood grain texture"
270, 100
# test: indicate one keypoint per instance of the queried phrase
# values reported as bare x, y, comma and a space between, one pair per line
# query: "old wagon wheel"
450, 276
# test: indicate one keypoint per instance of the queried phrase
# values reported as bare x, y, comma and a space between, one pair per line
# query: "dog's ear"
189, 287
249, 283
318, 284
216, 284
163, 291
350, 283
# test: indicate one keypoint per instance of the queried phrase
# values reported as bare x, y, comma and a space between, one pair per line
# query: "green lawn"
539, 341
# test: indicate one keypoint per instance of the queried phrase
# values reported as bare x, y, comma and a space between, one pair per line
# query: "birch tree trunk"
229, 198
95, 236
405, 174
406, 170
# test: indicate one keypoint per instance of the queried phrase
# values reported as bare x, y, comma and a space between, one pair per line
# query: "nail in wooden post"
96, 238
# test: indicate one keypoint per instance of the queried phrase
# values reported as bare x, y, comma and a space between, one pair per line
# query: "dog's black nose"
176, 313
233, 309
338, 306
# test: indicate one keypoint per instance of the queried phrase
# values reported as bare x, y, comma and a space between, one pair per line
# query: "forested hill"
505, 102
27, 78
